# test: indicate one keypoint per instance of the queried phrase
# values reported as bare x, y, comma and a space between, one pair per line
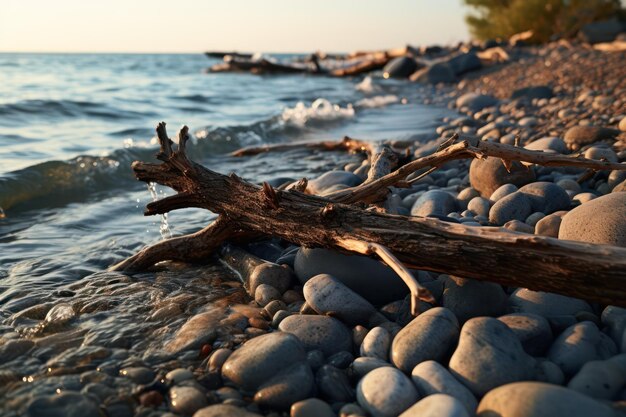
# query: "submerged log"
593, 272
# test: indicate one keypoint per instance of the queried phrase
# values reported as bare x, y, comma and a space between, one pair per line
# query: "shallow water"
70, 125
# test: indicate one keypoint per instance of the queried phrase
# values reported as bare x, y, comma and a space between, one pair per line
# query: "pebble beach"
274, 329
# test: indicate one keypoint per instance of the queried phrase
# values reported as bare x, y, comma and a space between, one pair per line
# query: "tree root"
594, 272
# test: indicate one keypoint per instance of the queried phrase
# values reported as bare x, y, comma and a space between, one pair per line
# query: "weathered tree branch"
595, 272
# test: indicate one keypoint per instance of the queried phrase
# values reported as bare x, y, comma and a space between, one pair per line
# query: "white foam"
320, 110
367, 85
377, 101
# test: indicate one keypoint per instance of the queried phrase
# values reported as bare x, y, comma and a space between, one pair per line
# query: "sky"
240, 25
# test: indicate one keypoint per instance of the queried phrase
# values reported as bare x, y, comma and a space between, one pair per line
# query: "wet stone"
65, 404
333, 384
139, 375
312, 407
291, 385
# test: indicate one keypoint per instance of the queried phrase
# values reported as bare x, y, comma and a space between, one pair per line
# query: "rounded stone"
545, 304
437, 405
614, 319
257, 360
532, 330
66, 404
615, 178
223, 410
578, 136
548, 144
331, 179
312, 407
538, 399
515, 206
601, 220
465, 196
479, 205
434, 202
430, 336
600, 379
368, 277
186, 400
218, 358
569, 184
548, 226
468, 298
386, 392
318, 333
401, 67
432, 378
489, 355
601, 152
333, 384
376, 344
278, 276
475, 101
289, 386
546, 197
265, 294
178, 375
363, 365
579, 344
518, 226
503, 191
326, 294
487, 175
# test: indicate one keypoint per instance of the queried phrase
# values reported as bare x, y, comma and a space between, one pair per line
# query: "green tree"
492, 19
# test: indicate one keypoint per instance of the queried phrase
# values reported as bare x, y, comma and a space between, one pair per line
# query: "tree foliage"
493, 19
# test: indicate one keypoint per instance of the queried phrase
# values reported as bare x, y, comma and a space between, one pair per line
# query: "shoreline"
323, 334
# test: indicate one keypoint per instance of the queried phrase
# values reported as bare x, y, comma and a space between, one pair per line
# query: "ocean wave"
319, 112
64, 108
377, 101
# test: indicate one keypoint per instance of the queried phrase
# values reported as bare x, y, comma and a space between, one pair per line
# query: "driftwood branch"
594, 272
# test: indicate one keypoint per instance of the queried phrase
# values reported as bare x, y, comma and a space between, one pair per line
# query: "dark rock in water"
66, 404
475, 102
318, 333
368, 277
578, 136
326, 294
546, 197
332, 178
333, 384
489, 355
431, 335
464, 62
197, 331
601, 220
536, 92
487, 175
435, 202
400, 67
538, 399
532, 330
604, 31
434, 74
291, 385
261, 358
515, 206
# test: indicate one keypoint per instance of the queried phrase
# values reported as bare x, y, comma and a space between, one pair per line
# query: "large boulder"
538, 399
369, 278
464, 62
601, 220
487, 175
